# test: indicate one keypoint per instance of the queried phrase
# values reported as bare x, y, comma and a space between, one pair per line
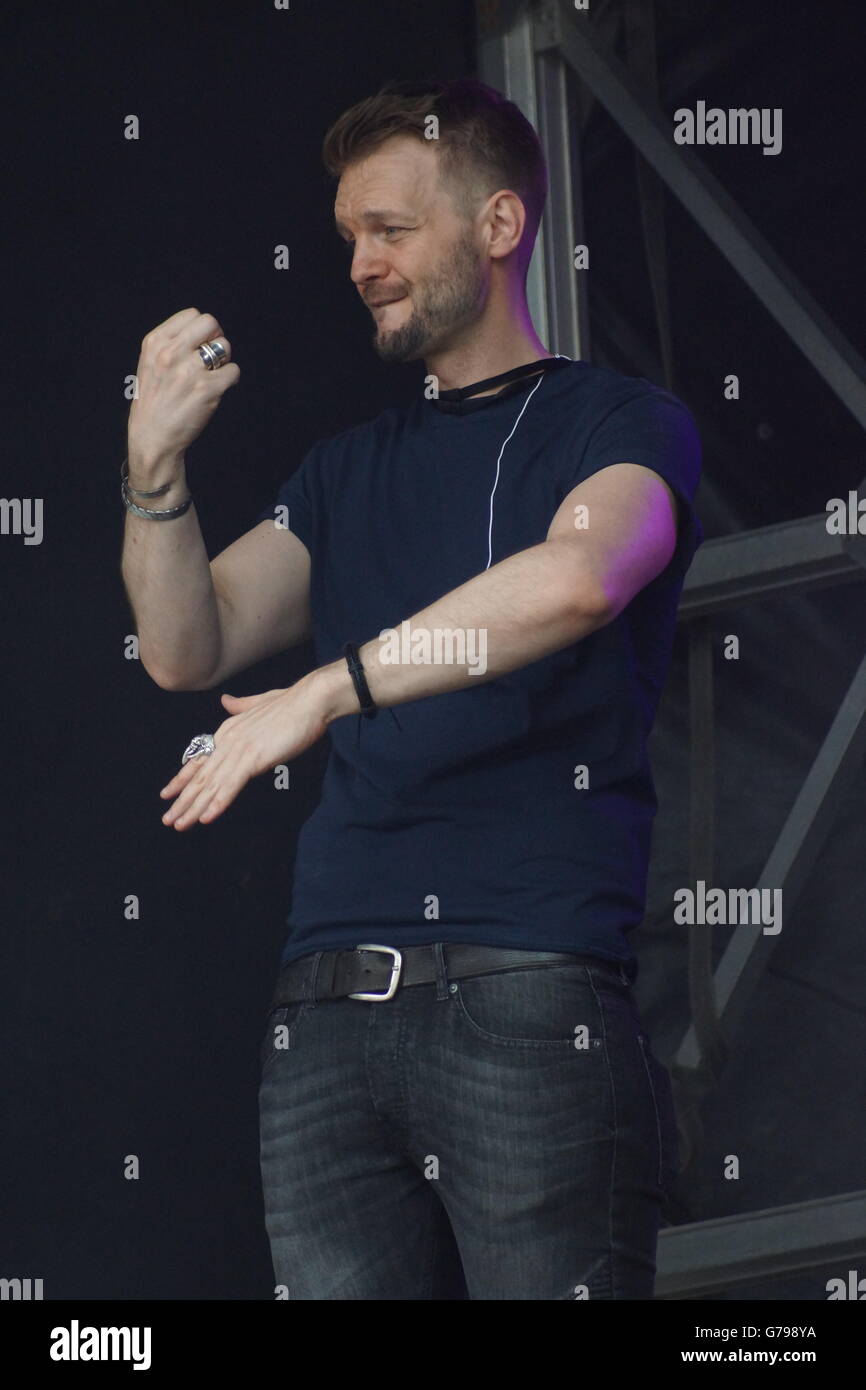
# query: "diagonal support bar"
792, 857
754, 259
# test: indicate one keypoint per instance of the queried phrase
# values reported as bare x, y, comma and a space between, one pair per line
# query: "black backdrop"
140, 1036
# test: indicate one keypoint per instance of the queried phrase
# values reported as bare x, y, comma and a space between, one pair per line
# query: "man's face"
410, 247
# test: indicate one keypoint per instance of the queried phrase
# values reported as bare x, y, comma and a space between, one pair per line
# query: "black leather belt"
375, 972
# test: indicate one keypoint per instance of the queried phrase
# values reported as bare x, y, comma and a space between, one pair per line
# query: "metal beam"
650, 130
707, 1257
563, 224
791, 859
506, 61
538, 84
786, 558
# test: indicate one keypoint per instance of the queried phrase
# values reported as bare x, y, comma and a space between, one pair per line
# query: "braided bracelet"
148, 512
356, 670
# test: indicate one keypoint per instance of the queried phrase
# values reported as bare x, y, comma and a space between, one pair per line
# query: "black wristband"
362, 689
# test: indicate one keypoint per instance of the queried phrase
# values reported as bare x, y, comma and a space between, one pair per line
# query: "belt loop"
313, 978
441, 970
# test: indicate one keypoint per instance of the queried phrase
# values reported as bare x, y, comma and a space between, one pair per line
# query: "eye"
349, 245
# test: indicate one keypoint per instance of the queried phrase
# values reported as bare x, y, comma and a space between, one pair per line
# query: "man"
457, 1097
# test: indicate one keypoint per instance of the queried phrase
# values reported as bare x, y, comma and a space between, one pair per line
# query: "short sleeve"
656, 430
297, 496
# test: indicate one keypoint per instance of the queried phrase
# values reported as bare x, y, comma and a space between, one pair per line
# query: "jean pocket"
611, 982
661, 1091
280, 1030
550, 1006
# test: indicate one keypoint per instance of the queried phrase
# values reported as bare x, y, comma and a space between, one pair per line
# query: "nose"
368, 264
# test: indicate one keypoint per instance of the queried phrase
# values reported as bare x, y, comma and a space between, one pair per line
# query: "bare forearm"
168, 582
530, 605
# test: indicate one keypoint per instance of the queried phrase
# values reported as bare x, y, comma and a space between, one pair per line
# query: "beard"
441, 305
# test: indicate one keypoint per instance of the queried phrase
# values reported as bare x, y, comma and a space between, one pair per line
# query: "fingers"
209, 802
171, 326
179, 815
201, 330
185, 775
208, 794
184, 332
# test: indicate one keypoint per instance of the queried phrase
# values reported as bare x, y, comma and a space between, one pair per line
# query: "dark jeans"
505, 1136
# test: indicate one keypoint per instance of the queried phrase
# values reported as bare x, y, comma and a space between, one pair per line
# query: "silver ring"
213, 354
202, 743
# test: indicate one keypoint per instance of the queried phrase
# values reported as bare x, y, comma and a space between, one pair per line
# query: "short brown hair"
485, 142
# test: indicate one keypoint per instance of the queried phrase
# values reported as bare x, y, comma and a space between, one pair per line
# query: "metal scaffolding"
527, 51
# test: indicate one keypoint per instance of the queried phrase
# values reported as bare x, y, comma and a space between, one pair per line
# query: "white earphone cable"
499, 460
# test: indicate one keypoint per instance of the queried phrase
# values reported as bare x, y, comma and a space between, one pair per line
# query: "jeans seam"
434, 1244
655, 1105
615, 1134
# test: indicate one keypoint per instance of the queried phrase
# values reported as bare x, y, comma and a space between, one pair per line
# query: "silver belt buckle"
396, 967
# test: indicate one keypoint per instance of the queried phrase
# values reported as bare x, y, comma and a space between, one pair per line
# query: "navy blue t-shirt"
461, 817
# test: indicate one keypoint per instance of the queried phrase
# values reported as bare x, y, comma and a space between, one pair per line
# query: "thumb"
235, 701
